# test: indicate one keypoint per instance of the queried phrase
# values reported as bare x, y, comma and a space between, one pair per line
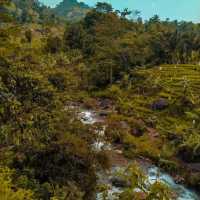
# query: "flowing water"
153, 173
182, 192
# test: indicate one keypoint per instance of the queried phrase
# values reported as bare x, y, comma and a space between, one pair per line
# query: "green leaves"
6, 187
140, 188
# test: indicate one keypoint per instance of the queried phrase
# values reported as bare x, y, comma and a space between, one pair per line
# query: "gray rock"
119, 182
160, 104
103, 114
137, 132
106, 104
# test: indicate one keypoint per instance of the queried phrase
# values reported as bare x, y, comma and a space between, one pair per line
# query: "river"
152, 172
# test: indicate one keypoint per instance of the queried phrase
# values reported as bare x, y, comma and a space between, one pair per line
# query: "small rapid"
183, 193
153, 173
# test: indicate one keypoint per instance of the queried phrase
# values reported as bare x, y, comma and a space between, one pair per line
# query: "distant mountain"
71, 9
28, 11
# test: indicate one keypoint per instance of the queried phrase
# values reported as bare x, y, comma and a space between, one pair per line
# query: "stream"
152, 172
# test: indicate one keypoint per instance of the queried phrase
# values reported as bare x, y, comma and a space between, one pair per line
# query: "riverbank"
118, 161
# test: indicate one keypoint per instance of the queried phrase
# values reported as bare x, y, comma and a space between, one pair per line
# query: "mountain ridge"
25, 11
71, 9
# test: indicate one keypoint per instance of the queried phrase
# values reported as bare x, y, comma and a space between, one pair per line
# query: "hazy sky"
174, 9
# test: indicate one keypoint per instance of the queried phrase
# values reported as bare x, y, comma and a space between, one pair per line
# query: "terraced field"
175, 80
177, 85
167, 101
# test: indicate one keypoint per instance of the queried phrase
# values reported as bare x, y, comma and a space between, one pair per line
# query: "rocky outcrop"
160, 104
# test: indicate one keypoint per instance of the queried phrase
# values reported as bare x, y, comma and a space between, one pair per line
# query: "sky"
188, 10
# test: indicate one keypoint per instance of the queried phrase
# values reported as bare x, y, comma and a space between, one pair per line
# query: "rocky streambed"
119, 162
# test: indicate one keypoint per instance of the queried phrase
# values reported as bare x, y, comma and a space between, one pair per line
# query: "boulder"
103, 114
179, 180
160, 104
119, 182
137, 132
106, 104
117, 140
119, 151
138, 128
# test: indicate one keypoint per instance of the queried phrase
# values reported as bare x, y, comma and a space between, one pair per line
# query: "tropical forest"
97, 103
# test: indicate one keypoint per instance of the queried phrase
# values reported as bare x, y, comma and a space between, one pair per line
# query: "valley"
97, 104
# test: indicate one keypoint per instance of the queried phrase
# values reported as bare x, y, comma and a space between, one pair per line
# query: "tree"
4, 13
54, 44
138, 182
8, 191
24, 16
104, 7
74, 37
126, 12
154, 19
28, 35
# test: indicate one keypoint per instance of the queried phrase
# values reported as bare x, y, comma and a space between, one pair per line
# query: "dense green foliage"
50, 153
72, 10
45, 151
32, 11
112, 52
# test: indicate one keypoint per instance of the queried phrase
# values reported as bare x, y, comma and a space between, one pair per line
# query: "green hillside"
179, 85
33, 11
71, 10
162, 107
58, 77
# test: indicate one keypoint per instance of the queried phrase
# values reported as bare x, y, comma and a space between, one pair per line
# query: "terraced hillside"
170, 93
174, 80
161, 106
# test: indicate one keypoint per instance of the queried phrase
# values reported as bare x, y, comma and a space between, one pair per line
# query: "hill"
162, 109
71, 9
33, 11
49, 71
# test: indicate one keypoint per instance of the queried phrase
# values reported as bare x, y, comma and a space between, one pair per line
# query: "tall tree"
104, 7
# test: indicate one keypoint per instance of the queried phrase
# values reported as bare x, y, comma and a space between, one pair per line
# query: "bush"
53, 44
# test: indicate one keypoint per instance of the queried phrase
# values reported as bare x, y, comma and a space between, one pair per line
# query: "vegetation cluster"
148, 70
